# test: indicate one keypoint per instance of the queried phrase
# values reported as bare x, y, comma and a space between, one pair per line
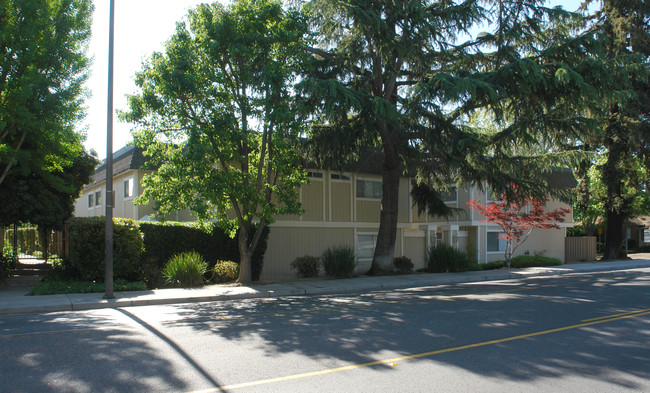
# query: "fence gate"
25, 241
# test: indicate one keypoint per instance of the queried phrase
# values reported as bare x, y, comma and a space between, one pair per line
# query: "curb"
79, 302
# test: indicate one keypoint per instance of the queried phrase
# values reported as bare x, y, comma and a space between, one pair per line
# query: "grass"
58, 286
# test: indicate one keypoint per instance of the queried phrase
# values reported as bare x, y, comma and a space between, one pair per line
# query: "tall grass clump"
339, 261
185, 270
443, 258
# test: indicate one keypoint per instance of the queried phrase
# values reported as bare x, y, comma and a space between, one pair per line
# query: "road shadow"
339, 330
95, 351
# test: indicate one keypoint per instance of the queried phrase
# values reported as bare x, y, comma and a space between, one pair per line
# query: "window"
450, 195
339, 176
366, 246
369, 189
91, 199
315, 175
98, 198
128, 188
495, 244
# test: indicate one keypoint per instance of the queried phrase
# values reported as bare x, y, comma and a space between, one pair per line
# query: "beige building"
343, 208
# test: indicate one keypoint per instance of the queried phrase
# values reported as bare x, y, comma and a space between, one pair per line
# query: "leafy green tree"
42, 68
405, 78
216, 113
47, 199
625, 119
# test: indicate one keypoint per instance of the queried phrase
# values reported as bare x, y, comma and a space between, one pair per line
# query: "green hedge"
87, 248
149, 246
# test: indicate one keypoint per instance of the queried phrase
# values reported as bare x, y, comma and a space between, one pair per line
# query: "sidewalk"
15, 301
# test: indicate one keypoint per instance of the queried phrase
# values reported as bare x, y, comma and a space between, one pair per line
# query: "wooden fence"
580, 249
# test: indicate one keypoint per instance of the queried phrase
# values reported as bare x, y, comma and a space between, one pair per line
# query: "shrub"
443, 258
493, 265
87, 245
522, 261
339, 261
185, 270
306, 266
224, 271
403, 264
7, 265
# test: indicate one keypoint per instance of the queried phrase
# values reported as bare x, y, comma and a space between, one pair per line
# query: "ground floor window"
366, 246
494, 243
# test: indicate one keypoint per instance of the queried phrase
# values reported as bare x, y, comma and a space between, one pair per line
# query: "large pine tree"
626, 126
405, 78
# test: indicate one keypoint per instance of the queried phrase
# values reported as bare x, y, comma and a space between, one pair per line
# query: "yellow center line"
611, 318
631, 313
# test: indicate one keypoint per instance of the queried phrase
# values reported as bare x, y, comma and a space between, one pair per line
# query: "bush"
87, 245
443, 258
403, 264
493, 265
522, 261
225, 271
185, 270
339, 261
306, 266
7, 265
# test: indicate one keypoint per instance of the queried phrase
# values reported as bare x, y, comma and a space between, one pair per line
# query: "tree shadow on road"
95, 351
467, 324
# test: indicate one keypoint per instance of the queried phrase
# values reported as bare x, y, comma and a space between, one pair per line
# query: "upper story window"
339, 176
128, 188
369, 189
91, 200
98, 198
315, 175
451, 195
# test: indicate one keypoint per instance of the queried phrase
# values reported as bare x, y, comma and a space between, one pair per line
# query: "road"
578, 333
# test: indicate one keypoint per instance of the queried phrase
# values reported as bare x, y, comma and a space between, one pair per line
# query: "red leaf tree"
518, 218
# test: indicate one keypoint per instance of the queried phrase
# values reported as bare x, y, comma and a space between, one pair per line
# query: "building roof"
127, 158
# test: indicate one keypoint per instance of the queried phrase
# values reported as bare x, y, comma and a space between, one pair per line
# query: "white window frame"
91, 200
455, 190
98, 201
502, 242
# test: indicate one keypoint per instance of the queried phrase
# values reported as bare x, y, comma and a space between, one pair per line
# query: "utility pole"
108, 262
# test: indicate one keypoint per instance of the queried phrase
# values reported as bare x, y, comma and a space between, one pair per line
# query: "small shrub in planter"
225, 271
306, 266
185, 270
403, 264
339, 261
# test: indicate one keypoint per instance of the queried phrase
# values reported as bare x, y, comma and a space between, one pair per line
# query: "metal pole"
108, 262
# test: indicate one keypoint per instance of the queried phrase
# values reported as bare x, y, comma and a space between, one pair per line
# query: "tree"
517, 218
46, 200
625, 119
42, 68
405, 77
216, 114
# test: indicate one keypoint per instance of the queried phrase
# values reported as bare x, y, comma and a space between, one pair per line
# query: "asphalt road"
575, 333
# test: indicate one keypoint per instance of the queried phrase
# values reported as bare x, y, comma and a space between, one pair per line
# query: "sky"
141, 28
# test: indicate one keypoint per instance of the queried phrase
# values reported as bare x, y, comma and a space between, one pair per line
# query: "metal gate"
27, 242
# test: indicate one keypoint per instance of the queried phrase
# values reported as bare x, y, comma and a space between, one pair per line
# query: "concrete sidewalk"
15, 301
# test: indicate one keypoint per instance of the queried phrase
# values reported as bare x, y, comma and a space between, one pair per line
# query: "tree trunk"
245, 257
614, 237
382, 261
